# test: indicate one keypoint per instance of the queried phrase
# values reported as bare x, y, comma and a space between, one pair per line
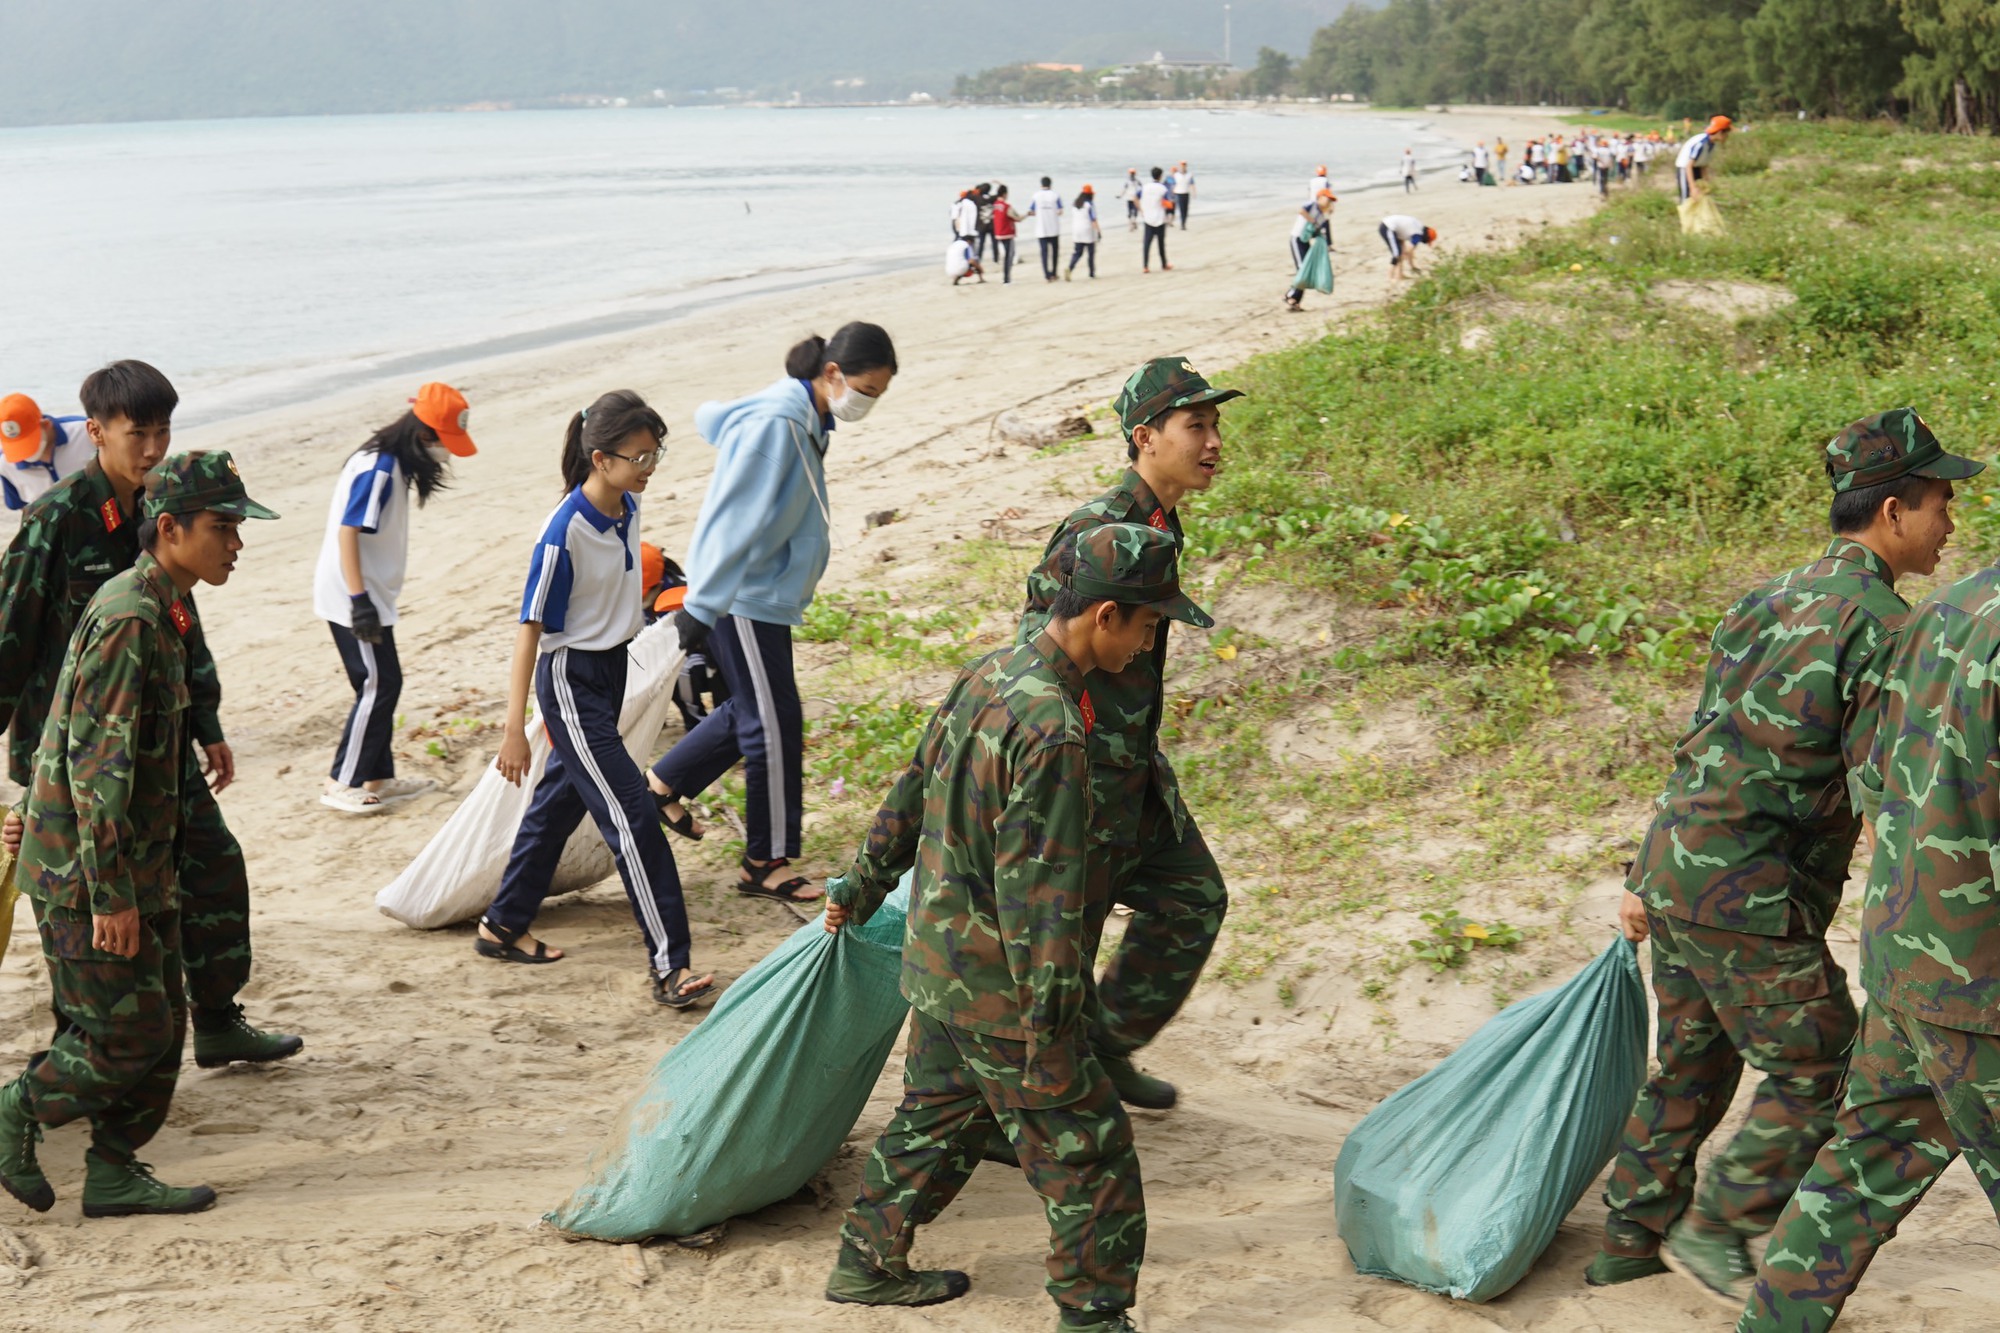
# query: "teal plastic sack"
745, 1109
1317, 270
1456, 1183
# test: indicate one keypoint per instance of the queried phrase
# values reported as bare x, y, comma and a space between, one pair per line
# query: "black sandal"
787, 892
669, 990
685, 824
505, 950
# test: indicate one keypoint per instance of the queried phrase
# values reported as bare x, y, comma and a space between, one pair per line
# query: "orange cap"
652, 564
1719, 125
1322, 169
1087, 190
20, 427
670, 599
443, 409
1328, 194
1431, 235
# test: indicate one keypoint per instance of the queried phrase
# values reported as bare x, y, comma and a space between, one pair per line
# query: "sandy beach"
393, 1175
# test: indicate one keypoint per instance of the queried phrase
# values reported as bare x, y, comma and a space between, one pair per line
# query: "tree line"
1933, 61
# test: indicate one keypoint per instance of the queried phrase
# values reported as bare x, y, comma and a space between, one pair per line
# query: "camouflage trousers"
1917, 1097
1777, 1003
116, 1054
215, 903
1078, 1156
1178, 900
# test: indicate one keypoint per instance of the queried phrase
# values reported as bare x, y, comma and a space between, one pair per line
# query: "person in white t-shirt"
359, 579
1084, 232
1046, 208
1482, 161
1154, 201
1691, 163
961, 263
1183, 183
965, 218
1129, 192
1316, 217
582, 605
1403, 234
1408, 167
38, 450
1320, 182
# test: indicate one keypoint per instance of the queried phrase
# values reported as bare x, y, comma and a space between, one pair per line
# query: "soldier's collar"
157, 581
1064, 666
1146, 507
1846, 548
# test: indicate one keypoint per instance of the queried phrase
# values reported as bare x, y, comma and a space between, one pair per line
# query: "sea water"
260, 262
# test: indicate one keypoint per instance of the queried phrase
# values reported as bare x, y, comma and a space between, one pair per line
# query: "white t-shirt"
1307, 222
1604, 156
1403, 226
965, 217
583, 579
370, 496
1537, 153
1183, 181
1047, 209
1320, 182
1153, 204
1480, 158
21, 484
1695, 151
958, 258
1083, 222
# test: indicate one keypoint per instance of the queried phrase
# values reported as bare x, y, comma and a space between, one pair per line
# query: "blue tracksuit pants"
760, 723
589, 771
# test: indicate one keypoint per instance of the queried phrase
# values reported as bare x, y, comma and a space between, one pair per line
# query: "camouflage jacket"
1930, 916
70, 541
993, 811
105, 810
1125, 734
1755, 829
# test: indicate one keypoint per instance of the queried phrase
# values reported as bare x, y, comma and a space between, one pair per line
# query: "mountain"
94, 60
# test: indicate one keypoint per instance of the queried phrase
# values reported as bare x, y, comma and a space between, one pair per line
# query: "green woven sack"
758, 1098
1317, 270
1456, 1182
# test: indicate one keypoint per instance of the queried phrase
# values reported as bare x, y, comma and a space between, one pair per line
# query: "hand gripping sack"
1456, 1182
1317, 270
747, 1107
455, 876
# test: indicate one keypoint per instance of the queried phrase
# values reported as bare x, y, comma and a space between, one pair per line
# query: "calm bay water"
264, 261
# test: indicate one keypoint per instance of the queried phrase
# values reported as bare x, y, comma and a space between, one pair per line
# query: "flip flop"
402, 789
670, 989
353, 801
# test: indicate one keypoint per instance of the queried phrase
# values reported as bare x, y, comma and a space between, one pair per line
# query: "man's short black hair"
1155, 423
1855, 510
129, 389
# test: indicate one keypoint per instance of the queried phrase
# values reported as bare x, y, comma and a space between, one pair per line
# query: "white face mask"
439, 453
850, 404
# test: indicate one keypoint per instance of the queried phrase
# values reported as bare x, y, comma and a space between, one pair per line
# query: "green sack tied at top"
1317, 271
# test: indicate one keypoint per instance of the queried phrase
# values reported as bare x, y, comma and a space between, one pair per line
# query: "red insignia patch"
113, 520
1159, 519
1089, 713
178, 613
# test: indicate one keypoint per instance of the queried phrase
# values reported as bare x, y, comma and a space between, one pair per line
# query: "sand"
392, 1176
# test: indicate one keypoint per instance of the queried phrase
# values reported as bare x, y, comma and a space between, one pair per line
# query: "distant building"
1162, 64
1056, 68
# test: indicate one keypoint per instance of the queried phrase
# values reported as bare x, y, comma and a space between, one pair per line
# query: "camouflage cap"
1889, 445
199, 479
1133, 565
1161, 384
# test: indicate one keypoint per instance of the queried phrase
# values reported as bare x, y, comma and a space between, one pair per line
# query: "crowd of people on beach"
985, 223
1037, 801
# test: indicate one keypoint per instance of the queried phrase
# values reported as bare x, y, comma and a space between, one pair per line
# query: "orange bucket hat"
1720, 124
20, 427
443, 409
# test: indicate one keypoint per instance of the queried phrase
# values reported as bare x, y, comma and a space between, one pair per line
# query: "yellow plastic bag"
8, 893
1700, 217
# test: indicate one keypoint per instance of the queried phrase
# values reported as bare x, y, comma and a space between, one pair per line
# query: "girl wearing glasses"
581, 607
758, 550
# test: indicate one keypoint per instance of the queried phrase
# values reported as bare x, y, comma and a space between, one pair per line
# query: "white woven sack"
457, 873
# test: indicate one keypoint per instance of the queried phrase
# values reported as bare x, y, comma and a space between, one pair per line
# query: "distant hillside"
88, 60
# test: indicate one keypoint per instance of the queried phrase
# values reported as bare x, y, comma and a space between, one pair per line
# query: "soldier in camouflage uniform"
1744, 866
994, 812
70, 542
1924, 1084
106, 813
1144, 844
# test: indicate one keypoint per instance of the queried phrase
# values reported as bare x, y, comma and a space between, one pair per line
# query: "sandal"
402, 789
670, 989
685, 824
504, 950
787, 892
353, 801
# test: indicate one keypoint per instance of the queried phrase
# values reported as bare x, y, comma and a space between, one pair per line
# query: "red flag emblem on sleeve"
1159, 519
108, 511
1089, 713
178, 613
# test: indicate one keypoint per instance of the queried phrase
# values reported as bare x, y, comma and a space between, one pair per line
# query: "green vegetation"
1936, 60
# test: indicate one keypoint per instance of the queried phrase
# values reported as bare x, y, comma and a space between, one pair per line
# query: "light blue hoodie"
760, 544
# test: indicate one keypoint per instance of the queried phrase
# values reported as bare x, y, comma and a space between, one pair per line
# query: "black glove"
364, 620
693, 633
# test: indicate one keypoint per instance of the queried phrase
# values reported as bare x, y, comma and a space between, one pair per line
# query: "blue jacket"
760, 544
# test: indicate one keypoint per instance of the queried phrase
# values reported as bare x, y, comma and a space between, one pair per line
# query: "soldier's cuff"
108, 902
207, 728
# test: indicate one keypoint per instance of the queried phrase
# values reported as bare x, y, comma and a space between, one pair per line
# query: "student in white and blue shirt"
1046, 208
1084, 231
754, 563
359, 579
39, 450
1691, 163
583, 603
